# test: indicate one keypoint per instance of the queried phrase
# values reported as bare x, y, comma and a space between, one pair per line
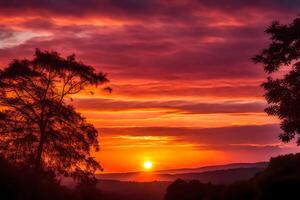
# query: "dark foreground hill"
281, 180
155, 190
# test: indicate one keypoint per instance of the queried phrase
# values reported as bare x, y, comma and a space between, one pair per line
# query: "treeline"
281, 180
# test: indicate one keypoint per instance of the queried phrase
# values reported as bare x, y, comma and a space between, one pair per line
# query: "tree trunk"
38, 159
38, 163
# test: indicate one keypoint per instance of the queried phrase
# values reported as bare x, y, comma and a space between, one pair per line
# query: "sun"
147, 164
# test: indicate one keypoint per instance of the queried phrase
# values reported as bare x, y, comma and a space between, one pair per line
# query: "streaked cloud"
170, 106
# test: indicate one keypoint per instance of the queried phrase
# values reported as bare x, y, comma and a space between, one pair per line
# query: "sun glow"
147, 165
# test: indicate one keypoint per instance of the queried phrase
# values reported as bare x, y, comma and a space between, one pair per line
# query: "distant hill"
217, 174
124, 185
214, 168
153, 185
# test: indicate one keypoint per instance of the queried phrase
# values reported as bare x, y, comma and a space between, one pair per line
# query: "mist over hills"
216, 174
153, 185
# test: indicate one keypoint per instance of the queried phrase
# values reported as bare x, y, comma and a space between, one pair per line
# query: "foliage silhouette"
38, 128
283, 92
279, 181
24, 184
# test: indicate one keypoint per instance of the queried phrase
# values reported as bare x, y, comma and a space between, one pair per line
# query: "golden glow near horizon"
147, 165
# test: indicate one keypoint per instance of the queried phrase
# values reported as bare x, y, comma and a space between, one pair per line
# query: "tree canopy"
282, 88
38, 128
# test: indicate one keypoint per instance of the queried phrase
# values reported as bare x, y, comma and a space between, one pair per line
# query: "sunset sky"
185, 92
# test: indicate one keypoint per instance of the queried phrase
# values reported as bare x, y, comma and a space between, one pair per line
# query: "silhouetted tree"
283, 92
38, 128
